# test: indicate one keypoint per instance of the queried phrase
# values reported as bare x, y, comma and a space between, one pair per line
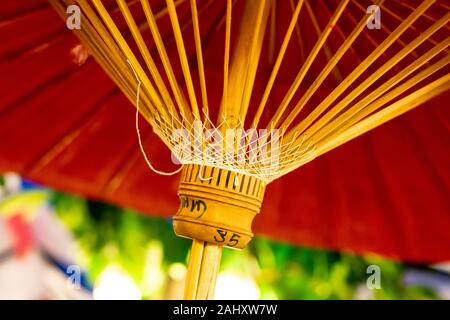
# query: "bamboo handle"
202, 272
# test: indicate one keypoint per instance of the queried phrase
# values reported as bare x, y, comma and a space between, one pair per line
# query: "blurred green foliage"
111, 235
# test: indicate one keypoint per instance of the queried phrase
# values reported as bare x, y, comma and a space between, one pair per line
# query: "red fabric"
69, 127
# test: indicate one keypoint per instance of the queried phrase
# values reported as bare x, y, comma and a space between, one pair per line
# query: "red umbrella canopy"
64, 123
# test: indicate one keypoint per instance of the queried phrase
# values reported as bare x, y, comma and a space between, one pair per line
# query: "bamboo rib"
226, 59
164, 11
386, 29
307, 64
114, 60
156, 99
359, 69
277, 64
245, 59
254, 58
395, 92
326, 126
368, 37
298, 33
381, 71
425, 15
273, 32
147, 58
169, 41
325, 72
59, 6
412, 28
183, 57
335, 71
184, 109
348, 132
443, 5
341, 33
409, 102
198, 50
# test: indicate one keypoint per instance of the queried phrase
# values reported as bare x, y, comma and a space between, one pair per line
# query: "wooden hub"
217, 205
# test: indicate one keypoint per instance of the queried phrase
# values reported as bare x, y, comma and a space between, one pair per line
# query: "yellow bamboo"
226, 60
396, 92
111, 57
335, 71
399, 19
245, 60
425, 15
148, 58
273, 31
394, 110
131, 57
325, 72
309, 60
253, 58
183, 58
277, 64
298, 33
385, 28
193, 274
223, 200
182, 105
203, 269
208, 271
360, 69
382, 70
198, 50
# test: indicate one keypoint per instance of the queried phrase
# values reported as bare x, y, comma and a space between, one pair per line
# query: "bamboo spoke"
394, 110
336, 73
147, 58
360, 69
325, 72
130, 56
365, 106
277, 65
226, 59
253, 58
412, 28
307, 64
198, 49
383, 69
298, 33
110, 55
183, 58
184, 110
245, 61
273, 32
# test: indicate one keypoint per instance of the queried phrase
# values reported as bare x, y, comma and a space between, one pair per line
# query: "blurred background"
59, 246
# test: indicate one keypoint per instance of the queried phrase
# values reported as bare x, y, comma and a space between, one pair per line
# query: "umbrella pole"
203, 267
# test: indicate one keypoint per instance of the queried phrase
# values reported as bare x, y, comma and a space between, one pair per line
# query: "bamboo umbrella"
319, 130
231, 191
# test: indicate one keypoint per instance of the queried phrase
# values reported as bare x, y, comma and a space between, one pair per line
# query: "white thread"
200, 175
139, 133
251, 159
236, 180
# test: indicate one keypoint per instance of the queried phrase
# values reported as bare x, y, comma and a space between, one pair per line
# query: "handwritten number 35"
221, 237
